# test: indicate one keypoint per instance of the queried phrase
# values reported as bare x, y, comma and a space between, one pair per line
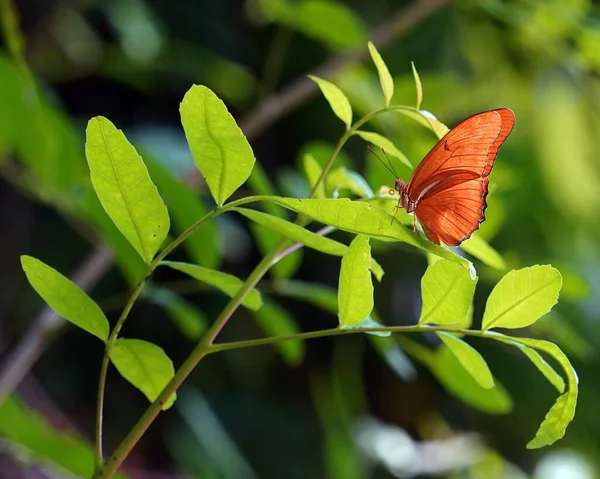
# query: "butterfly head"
399, 185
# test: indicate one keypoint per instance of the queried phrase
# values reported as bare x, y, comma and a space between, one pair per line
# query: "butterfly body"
447, 191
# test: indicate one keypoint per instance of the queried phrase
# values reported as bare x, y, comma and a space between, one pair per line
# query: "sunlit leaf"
337, 100
124, 188
447, 291
522, 297
186, 207
427, 120
385, 144
188, 318
276, 321
355, 294
65, 297
362, 218
418, 86
563, 411
302, 235
220, 149
228, 284
453, 376
470, 359
35, 441
479, 248
145, 365
387, 84
343, 178
313, 171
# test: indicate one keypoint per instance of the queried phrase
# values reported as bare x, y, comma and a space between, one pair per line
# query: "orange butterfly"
448, 189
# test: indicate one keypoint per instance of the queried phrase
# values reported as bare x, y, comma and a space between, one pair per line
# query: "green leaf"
30, 437
145, 365
563, 411
522, 297
313, 171
302, 235
470, 359
319, 295
337, 100
428, 120
275, 321
418, 86
539, 362
343, 178
330, 22
386, 145
362, 218
387, 84
394, 356
453, 376
355, 294
186, 316
65, 297
479, 248
124, 188
228, 284
186, 207
13, 38
220, 149
447, 291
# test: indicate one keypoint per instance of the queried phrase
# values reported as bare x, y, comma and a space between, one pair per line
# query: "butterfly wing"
450, 185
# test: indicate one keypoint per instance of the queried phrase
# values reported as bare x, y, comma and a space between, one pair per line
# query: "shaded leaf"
447, 291
65, 297
522, 297
337, 100
470, 359
386, 145
355, 293
313, 171
427, 120
145, 365
479, 248
266, 240
124, 188
343, 178
369, 322
539, 362
321, 296
387, 84
418, 86
394, 356
228, 284
220, 149
275, 321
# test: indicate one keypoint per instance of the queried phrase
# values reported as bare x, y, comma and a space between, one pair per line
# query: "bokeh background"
349, 407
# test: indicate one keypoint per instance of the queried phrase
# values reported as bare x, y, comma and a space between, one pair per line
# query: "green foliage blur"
348, 407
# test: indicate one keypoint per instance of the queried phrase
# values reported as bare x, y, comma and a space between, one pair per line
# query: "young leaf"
385, 144
145, 365
65, 297
220, 149
453, 376
418, 86
362, 218
470, 359
522, 297
387, 84
447, 291
228, 284
479, 248
275, 321
355, 294
337, 100
343, 178
313, 171
561, 414
124, 188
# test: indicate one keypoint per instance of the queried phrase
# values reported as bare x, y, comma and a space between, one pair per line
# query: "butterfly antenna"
390, 163
390, 168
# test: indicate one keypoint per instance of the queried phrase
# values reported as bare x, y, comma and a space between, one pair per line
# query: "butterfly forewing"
450, 185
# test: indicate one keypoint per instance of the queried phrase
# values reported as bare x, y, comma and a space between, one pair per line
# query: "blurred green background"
350, 407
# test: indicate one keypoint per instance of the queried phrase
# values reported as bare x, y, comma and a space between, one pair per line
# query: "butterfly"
447, 191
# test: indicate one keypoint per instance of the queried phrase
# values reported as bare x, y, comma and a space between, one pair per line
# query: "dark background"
342, 411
